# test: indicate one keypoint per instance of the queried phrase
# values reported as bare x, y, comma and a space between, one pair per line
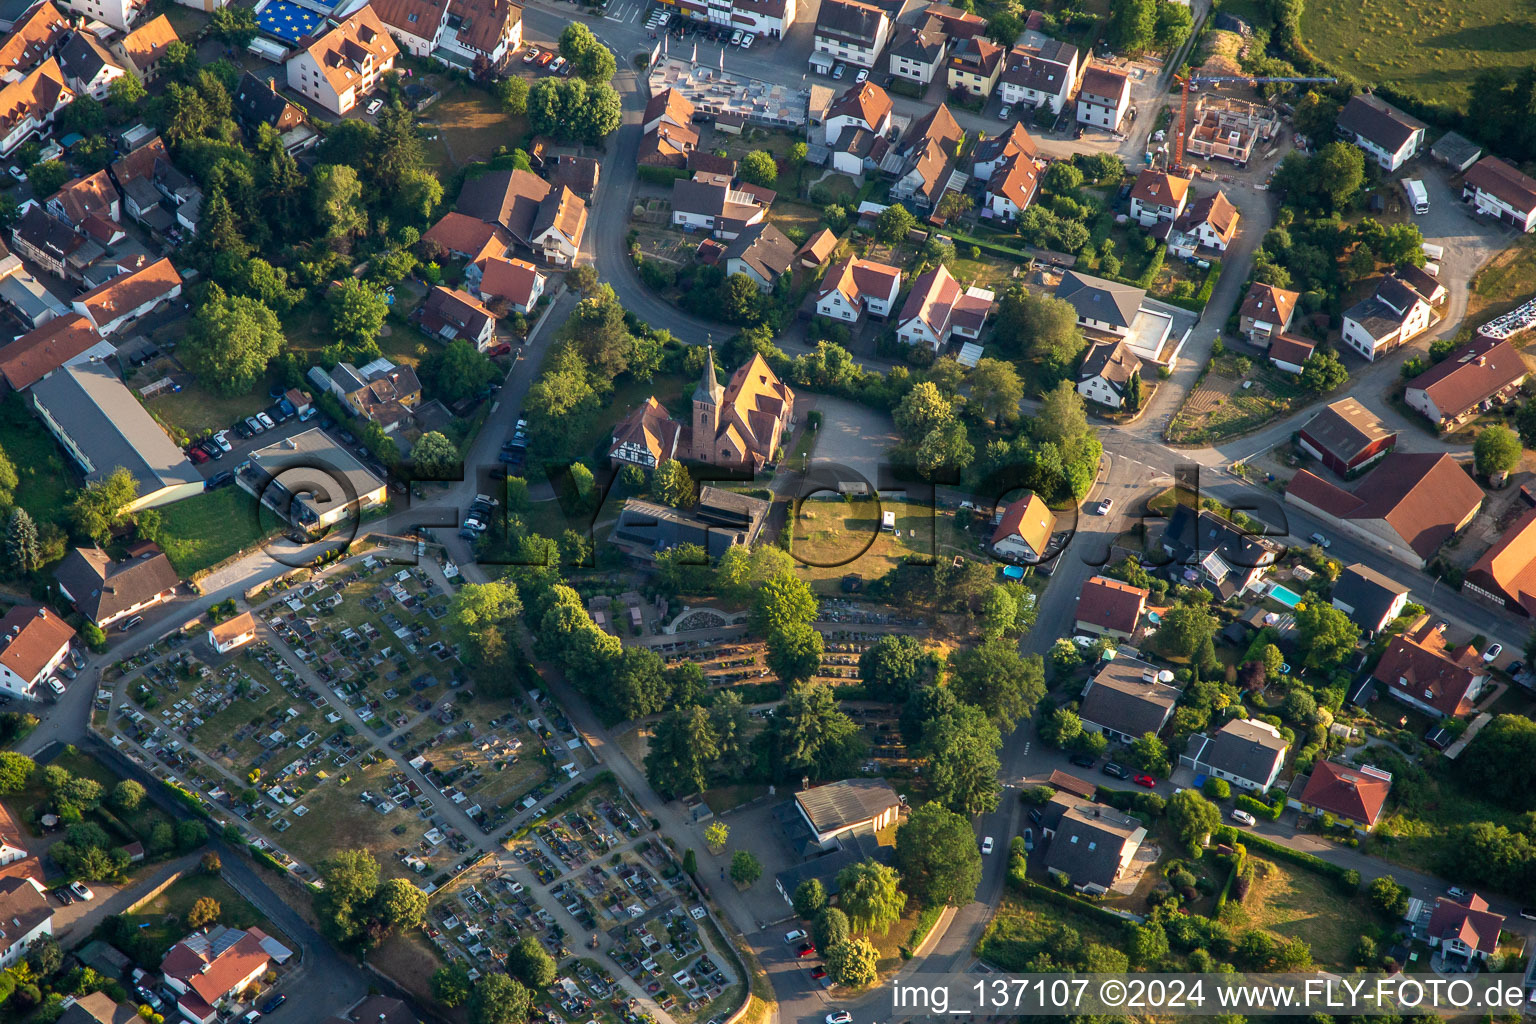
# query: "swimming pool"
1289, 598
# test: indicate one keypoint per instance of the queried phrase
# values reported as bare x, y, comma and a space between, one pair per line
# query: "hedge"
1050, 895
926, 919
1347, 878
661, 175
1258, 808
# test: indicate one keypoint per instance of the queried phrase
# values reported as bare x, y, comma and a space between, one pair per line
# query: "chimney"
805, 782
42, 613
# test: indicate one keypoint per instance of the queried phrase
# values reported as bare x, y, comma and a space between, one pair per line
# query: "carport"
821, 63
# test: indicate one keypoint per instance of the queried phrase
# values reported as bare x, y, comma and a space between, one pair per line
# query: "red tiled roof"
213, 979
1347, 792
1028, 518
1158, 189
1504, 183
1111, 604
30, 357
1269, 304
1288, 348
1420, 665
1473, 373
1423, 496
1510, 565
128, 292
31, 637
1471, 922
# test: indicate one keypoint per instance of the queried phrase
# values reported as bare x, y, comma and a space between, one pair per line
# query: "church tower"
706, 410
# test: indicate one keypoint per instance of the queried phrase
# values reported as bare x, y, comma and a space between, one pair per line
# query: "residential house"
232, 633
28, 913
1110, 607
1158, 196
378, 391
341, 67
102, 426
90, 206
1227, 559
25, 296
141, 50
480, 33
817, 249
1040, 76
719, 521
1495, 188
761, 252
28, 105
856, 128
1371, 599
1468, 930
647, 437
857, 286
129, 296
1124, 699
1092, 847
34, 39
1104, 98
87, 65
310, 481
107, 591
63, 341
549, 221
996, 151
1226, 128
516, 282
668, 107
257, 102
97, 1008
974, 65
1119, 309
1012, 186
767, 18
1347, 437
1352, 796
1209, 223
938, 309
1395, 315
120, 14
1024, 532
1407, 507
209, 970
852, 31
1505, 576
449, 313
1290, 352
667, 145
1421, 670
955, 22
924, 160
1105, 374
33, 643
712, 203
1265, 312
918, 51
469, 238
580, 174
1484, 373
1245, 752
417, 25
743, 423
1388, 136
851, 807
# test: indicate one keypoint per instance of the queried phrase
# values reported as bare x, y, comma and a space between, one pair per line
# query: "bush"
1217, 789
1258, 808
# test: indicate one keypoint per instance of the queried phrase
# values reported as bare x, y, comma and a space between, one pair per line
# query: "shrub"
1217, 789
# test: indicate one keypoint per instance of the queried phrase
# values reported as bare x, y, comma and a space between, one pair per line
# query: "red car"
504, 349
818, 974
1145, 780
197, 455
806, 949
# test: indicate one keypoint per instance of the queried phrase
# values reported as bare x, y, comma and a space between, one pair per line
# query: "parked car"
242, 430
222, 440
1529, 913
1145, 780
818, 973
1115, 770
839, 70
76, 658
265, 420
1005, 113
862, 76
68, 671
1492, 653
1105, 506
840, 1017
197, 455
251, 1018
255, 425
544, 59
64, 896
375, 107
736, 37
1515, 667
805, 950
273, 1003
1083, 760
748, 39
1029, 840
218, 480
56, 686
1457, 892
17, 173
137, 620
794, 936
532, 55
556, 65
1320, 540
80, 891
1243, 817
212, 450
986, 845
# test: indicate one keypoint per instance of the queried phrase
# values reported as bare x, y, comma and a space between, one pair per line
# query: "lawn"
45, 475
1293, 903
194, 409
1023, 928
833, 537
469, 127
1221, 408
164, 917
1506, 281
1425, 47
205, 529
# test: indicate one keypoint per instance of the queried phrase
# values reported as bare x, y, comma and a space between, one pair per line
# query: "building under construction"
1225, 128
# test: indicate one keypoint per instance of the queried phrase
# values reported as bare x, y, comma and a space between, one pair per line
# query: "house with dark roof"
1105, 374
925, 161
1265, 312
1483, 373
449, 313
1103, 98
257, 102
210, 969
1456, 151
1024, 532
27, 914
62, 341
1352, 796
1423, 671
1388, 136
1091, 847
1371, 599
1040, 75
712, 203
1505, 575
718, 521
851, 807
1101, 305
1393, 316
310, 480
1346, 437
106, 591
852, 31
1468, 930
1110, 607
821, 865
1227, 559
646, 437
549, 221
1407, 507
1125, 699
761, 252
917, 51
1496, 189
33, 643
1245, 752
376, 1010
88, 67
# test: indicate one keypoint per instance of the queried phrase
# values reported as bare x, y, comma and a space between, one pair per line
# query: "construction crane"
1192, 80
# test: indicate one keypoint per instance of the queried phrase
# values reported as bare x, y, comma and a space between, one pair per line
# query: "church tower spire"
707, 398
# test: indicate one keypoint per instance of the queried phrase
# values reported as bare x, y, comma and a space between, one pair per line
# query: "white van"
1418, 197
1433, 251
888, 522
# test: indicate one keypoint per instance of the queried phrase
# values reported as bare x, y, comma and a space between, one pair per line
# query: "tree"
23, 552
952, 205
829, 928
784, 600
691, 862
937, 856
451, 984
759, 168
809, 899
1323, 371
1496, 450
235, 25
15, 772
1327, 635
716, 835
1148, 943
1525, 422
127, 795
210, 863
1388, 896
1133, 391
458, 371
337, 193
894, 666
997, 389
512, 94
854, 963
1185, 630
996, 679
498, 999
893, 224
870, 894
1004, 28
351, 880
357, 314
1062, 178
593, 61
961, 746
434, 457
204, 912
1500, 762
46, 178
478, 620
794, 653
530, 964
1338, 173
126, 92
1149, 754
1193, 818
1132, 25
399, 904
740, 300
1173, 25
99, 505
1061, 727
597, 328
817, 736
230, 342
45, 956
683, 746
745, 868
1063, 417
